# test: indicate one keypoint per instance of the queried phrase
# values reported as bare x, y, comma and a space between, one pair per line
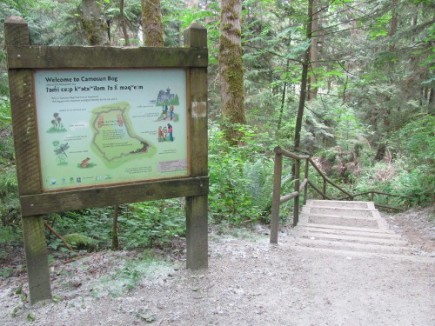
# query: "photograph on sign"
99, 127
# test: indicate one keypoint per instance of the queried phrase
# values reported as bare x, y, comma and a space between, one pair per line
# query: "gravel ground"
248, 282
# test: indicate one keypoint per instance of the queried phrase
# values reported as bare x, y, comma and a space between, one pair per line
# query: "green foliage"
147, 224
153, 223
94, 224
415, 184
9, 206
415, 145
416, 140
6, 272
380, 26
328, 123
10, 235
240, 184
80, 241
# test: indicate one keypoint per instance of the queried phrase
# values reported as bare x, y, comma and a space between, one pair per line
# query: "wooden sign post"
102, 126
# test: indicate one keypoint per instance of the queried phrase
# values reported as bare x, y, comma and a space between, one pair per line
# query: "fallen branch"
58, 236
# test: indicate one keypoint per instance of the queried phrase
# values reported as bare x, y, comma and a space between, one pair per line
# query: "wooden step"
341, 211
347, 226
354, 239
343, 221
339, 203
350, 246
314, 229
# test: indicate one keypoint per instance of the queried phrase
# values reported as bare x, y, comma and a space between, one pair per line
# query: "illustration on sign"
110, 126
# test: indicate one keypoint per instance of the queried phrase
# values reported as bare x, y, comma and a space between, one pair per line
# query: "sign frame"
23, 59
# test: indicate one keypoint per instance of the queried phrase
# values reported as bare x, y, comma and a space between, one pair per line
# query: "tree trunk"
284, 93
115, 241
304, 79
393, 22
314, 50
431, 101
231, 69
94, 26
123, 23
152, 23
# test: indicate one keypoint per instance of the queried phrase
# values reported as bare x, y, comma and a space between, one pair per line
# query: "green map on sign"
114, 139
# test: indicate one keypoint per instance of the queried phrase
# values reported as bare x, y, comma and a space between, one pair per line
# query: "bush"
152, 223
9, 205
240, 177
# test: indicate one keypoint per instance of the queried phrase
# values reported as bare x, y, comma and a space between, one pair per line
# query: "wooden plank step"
367, 233
355, 239
339, 203
342, 227
337, 245
341, 211
351, 253
343, 221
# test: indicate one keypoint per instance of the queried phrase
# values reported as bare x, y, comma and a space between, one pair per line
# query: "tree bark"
94, 26
431, 101
115, 241
314, 50
283, 96
152, 23
123, 23
304, 80
231, 69
393, 23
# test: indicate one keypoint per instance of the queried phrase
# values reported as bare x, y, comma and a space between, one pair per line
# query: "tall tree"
231, 69
304, 81
94, 26
152, 23
123, 23
314, 50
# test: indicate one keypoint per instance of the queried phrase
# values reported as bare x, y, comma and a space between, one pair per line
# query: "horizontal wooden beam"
61, 201
325, 178
279, 150
63, 57
287, 197
390, 207
318, 190
380, 193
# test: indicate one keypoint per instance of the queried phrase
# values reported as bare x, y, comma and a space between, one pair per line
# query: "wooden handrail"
277, 199
287, 197
318, 190
379, 193
388, 207
313, 164
279, 150
299, 186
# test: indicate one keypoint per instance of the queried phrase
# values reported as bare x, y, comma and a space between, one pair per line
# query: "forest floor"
248, 282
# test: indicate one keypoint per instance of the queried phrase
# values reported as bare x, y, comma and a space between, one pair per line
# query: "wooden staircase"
347, 225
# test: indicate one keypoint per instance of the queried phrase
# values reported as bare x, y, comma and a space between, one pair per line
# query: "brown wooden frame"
23, 59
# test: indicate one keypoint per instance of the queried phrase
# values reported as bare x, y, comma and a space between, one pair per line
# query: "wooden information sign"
100, 126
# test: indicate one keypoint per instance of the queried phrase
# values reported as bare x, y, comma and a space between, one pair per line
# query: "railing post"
26, 146
306, 185
276, 198
297, 184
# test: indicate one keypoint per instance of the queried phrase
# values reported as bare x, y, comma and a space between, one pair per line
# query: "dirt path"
248, 282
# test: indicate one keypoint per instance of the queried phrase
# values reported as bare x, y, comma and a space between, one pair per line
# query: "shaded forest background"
369, 114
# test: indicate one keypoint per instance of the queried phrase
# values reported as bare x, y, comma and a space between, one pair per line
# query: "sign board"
99, 127
102, 126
